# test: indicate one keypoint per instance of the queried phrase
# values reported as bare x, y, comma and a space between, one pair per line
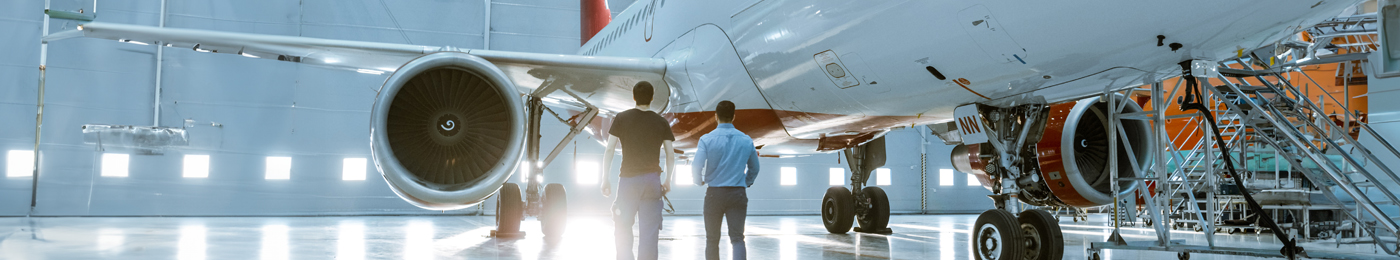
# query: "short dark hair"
642, 93
725, 111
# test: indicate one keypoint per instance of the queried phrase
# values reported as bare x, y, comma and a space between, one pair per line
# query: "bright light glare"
19, 163
274, 242
945, 177
945, 240
418, 240
882, 176
196, 166
787, 250
352, 169
192, 243
586, 172
365, 71
838, 176
972, 180
110, 239
279, 168
115, 164
351, 244
788, 176
684, 175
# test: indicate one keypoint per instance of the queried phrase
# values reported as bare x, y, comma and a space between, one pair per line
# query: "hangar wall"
239, 111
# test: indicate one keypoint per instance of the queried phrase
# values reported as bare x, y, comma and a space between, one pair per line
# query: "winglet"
593, 16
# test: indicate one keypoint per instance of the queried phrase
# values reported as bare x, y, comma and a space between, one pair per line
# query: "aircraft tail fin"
593, 16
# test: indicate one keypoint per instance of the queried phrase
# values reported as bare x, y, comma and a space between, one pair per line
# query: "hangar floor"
405, 237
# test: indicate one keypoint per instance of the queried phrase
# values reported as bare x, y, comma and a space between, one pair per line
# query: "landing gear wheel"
877, 218
1147, 222
1094, 256
509, 210
1183, 256
838, 208
997, 236
1042, 235
556, 208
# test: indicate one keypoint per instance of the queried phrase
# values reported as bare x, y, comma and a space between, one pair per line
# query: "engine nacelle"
447, 129
1073, 154
1071, 157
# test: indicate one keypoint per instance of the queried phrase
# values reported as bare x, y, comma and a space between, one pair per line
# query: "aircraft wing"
605, 82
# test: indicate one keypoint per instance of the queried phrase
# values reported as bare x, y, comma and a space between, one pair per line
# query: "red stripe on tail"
593, 16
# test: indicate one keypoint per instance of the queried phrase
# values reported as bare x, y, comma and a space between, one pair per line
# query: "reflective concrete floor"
769, 237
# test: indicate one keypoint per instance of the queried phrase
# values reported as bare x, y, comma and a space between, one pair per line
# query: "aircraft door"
716, 73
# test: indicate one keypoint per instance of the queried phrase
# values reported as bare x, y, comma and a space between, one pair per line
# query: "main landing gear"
547, 203
1013, 175
869, 207
998, 234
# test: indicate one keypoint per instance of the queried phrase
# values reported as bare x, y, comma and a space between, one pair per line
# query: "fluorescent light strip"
882, 176
684, 175
278, 168
115, 164
196, 166
19, 163
788, 176
838, 176
353, 169
586, 172
945, 177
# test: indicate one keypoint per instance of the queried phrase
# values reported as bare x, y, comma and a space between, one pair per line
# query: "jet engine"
1069, 165
447, 129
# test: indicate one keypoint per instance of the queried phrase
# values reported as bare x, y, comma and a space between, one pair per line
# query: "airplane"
1018, 87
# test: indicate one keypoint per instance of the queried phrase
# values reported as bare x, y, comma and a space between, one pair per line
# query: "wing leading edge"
605, 82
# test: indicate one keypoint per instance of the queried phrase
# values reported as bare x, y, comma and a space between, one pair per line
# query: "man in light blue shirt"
720, 162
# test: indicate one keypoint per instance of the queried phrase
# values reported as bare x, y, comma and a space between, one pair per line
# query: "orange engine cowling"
1073, 155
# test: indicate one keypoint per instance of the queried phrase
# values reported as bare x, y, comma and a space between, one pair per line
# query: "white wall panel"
19, 74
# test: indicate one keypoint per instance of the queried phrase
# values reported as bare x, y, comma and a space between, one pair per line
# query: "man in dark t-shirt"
644, 136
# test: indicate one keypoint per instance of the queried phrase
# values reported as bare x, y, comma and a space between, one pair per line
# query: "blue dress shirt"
722, 156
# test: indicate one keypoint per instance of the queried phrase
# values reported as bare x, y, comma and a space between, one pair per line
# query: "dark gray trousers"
722, 203
638, 201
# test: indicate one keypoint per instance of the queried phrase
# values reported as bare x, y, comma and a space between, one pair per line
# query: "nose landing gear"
869, 205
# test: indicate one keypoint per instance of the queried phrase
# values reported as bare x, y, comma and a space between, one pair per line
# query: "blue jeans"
723, 203
637, 196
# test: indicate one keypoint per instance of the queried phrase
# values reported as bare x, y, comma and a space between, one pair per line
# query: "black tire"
1042, 235
838, 210
878, 216
997, 236
509, 209
556, 209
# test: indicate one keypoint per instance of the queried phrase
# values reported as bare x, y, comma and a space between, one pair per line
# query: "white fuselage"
774, 58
